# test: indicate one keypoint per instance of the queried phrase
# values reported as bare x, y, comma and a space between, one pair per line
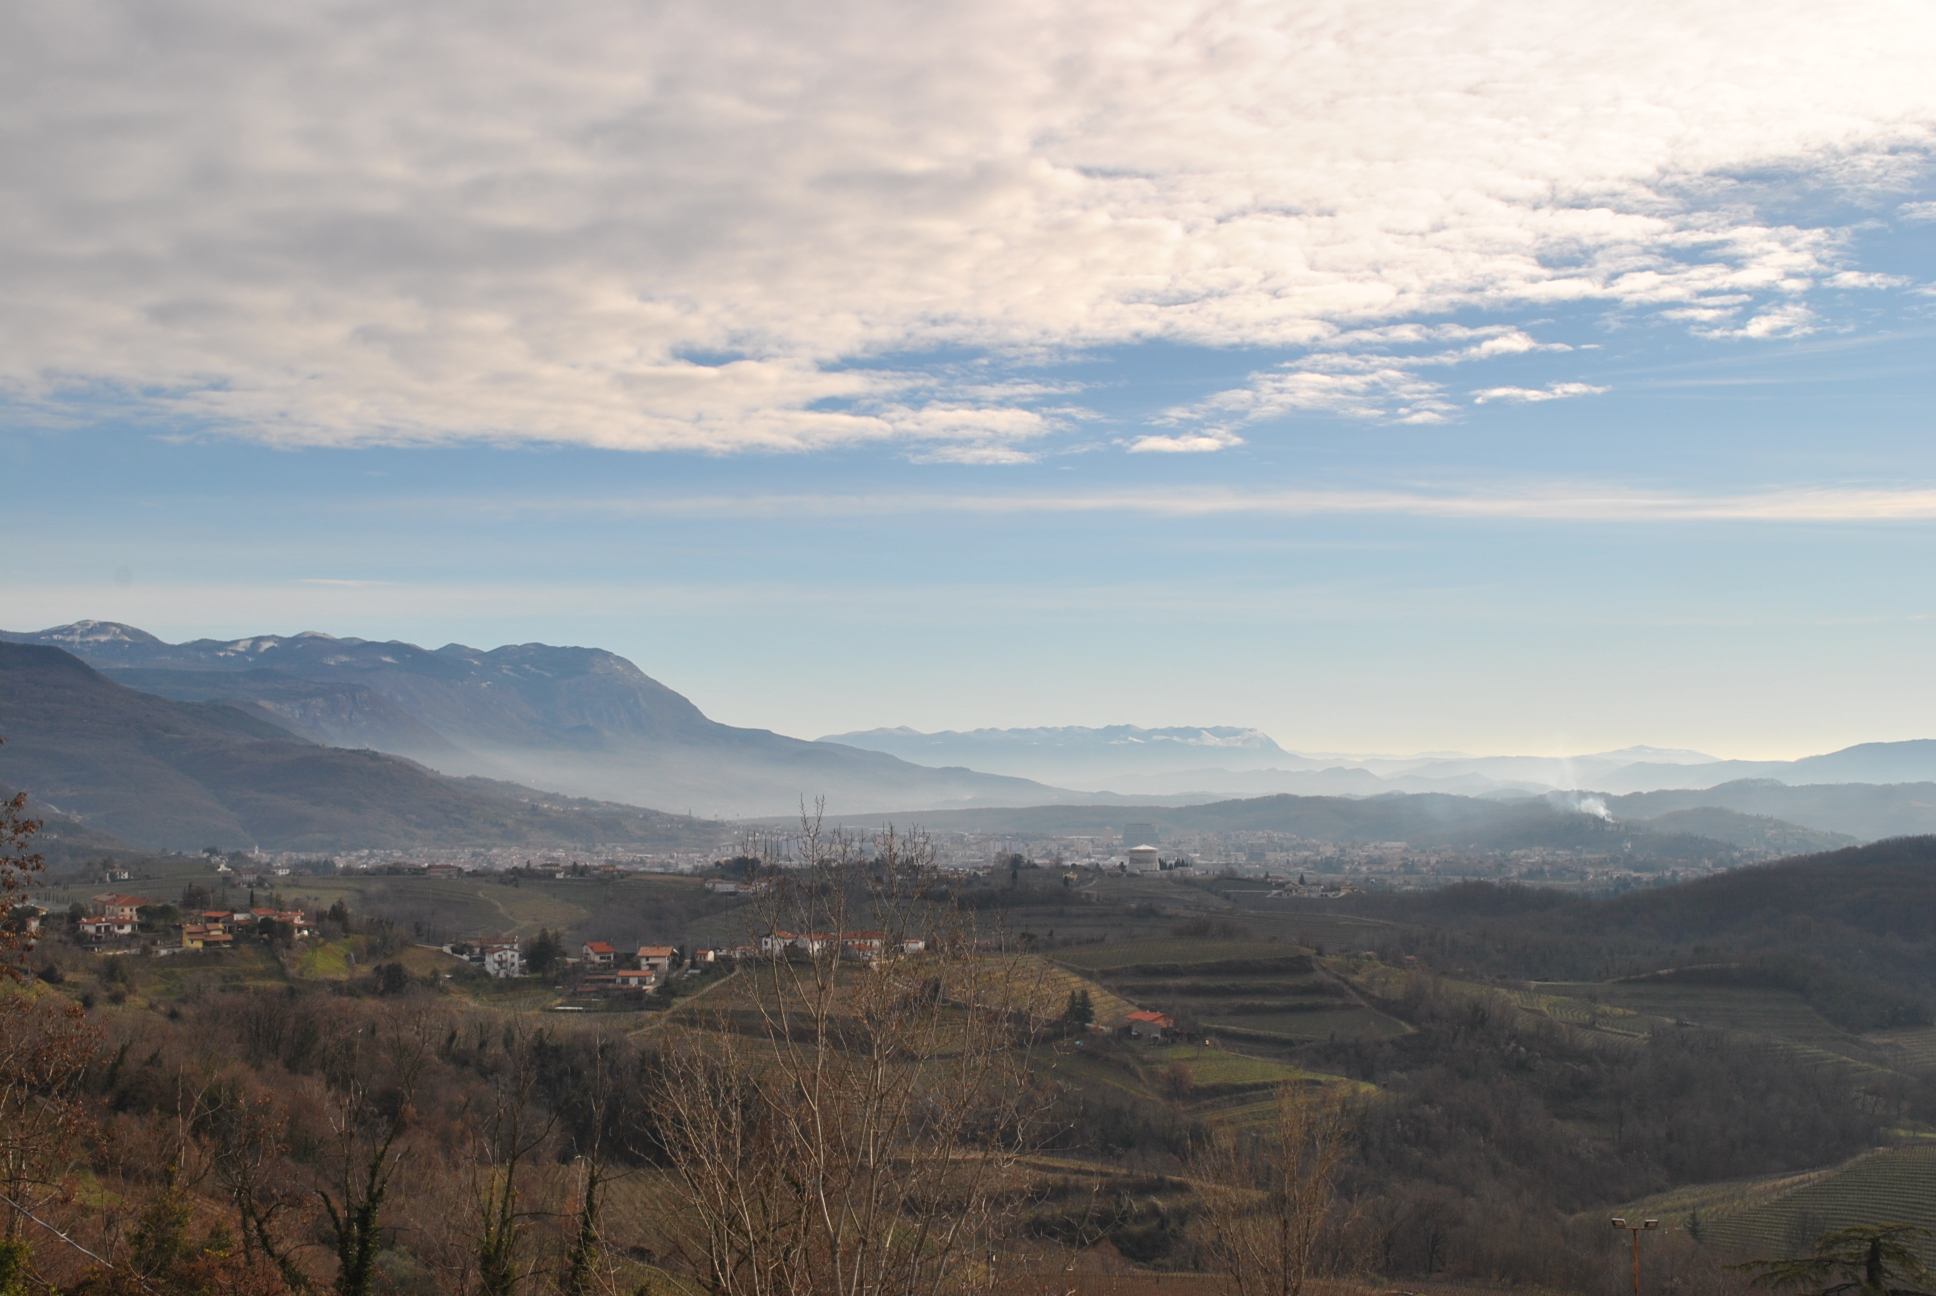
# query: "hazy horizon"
1638, 751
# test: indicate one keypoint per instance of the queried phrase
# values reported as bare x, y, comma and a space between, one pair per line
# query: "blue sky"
1391, 377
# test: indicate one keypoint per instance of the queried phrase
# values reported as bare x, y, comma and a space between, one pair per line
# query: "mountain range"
121, 766
580, 721
1211, 763
250, 724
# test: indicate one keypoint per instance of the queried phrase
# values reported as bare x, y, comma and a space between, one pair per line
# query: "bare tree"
516, 1128
1270, 1196
586, 1268
374, 1073
850, 1119
46, 1046
18, 863
248, 1140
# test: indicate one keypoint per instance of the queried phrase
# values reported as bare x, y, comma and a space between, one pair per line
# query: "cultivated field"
1784, 1215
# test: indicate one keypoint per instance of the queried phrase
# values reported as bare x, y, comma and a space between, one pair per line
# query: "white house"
863, 944
656, 958
504, 961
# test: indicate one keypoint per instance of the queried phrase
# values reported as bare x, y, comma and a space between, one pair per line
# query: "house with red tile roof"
122, 908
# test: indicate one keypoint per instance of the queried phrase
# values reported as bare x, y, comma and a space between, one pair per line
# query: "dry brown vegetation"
859, 1121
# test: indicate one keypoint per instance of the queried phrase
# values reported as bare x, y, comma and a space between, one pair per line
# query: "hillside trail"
666, 1017
518, 925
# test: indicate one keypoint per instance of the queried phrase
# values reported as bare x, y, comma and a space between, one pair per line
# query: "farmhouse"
504, 961
1149, 1025
198, 936
121, 908
598, 954
656, 958
635, 979
863, 943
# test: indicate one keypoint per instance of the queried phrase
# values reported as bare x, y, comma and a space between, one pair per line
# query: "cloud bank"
707, 226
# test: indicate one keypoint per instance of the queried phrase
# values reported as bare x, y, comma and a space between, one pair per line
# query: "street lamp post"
1636, 1229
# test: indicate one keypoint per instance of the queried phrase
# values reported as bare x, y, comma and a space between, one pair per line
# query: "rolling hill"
1420, 820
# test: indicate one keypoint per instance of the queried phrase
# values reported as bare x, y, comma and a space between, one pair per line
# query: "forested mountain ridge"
163, 774
583, 720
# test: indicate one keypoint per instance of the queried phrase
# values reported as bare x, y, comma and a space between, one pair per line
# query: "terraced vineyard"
1344, 1023
1052, 986
1333, 933
1177, 951
1257, 991
1758, 1010
1630, 1011
1908, 1050
1784, 1215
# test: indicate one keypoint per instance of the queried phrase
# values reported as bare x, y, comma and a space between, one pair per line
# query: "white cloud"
1369, 382
975, 454
1529, 395
1917, 211
1557, 501
1186, 443
1792, 320
309, 222
1860, 279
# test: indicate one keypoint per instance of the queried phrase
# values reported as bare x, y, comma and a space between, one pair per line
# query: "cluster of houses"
606, 971
120, 915
859, 944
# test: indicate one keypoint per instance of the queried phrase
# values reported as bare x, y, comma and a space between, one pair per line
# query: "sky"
1389, 375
